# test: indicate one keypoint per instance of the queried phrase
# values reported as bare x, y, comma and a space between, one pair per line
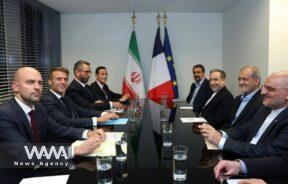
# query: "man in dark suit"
78, 89
24, 122
266, 134
200, 90
246, 104
61, 108
100, 89
218, 107
267, 168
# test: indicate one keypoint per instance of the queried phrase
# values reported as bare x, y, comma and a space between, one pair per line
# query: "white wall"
278, 36
103, 39
245, 39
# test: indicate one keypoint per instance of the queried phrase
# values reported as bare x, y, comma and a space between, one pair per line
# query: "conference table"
147, 160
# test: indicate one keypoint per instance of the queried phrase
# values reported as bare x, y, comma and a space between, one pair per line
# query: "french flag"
160, 80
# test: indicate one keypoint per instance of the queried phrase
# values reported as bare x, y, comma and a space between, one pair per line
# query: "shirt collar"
56, 94
100, 84
24, 107
247, 98
200, 83
82, 84
277, 111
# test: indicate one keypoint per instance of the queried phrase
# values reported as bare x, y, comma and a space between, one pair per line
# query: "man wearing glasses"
78, 89
266, 134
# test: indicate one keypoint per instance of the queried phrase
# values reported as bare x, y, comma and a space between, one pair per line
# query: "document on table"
61, 179
107, 148
119, 121
233, 181
210, 146
193, 120
119, 111
178, 100
186, 108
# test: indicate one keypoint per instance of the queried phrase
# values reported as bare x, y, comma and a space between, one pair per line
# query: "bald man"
266, 134
24, 122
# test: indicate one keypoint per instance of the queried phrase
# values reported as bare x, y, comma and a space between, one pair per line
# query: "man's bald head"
282, 77
21, 71
27, 85
275, 90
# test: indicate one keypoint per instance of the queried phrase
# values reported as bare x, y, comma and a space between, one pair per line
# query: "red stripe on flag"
165, 88
127, 89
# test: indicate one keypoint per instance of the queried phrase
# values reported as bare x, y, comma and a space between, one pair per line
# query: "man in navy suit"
246, 104
200, 90
266, 134
24, 122
61, 108
267, 168
78, 89
100, 89
219, 106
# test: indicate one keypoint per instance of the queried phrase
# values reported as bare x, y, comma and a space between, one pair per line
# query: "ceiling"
126, 6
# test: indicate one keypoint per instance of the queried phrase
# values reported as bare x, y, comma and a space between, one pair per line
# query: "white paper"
178, 100
107, 148
233, 181
60, 179
186, 108
193, 120
210, 146
119, 111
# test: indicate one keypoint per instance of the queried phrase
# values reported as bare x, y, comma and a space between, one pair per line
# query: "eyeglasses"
270, 89
86, 71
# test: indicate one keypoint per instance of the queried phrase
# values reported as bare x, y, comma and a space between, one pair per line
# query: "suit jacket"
218, 110
69, 114
204, 93
99, 94
15, 132
81, 96
267, 167
249, 110
274, 140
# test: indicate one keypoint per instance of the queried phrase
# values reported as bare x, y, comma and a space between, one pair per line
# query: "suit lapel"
215, 98
23, 118
100, 90
250, 103
83, 90
59, 103
277, 121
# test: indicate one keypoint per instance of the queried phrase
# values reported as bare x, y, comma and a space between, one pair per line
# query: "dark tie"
88, 91
105, 90
34, 126
67, 106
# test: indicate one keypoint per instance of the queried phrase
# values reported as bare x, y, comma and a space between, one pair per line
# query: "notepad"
210, 146
193, 120
233, 181
107, 148
119, 121
186, 108
119, 111
60, 179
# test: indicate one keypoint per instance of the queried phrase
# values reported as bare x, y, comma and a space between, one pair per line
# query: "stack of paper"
119, 111
107, 148
210, 146
186, 108
61, 179
233, 181
193, 120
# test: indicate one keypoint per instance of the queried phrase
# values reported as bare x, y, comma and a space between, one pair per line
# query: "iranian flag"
133, 83
160, 81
